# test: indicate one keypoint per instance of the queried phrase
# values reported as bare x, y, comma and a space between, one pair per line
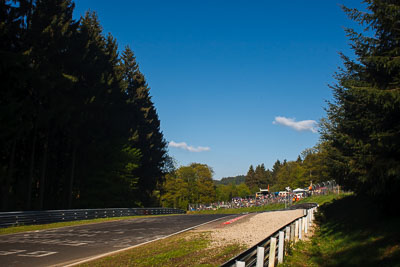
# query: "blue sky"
234, 82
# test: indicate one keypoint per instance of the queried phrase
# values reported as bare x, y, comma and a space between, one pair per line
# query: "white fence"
272, 249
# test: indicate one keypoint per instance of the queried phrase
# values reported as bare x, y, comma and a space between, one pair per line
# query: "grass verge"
186, 249
350, 231
322, 199
35, 227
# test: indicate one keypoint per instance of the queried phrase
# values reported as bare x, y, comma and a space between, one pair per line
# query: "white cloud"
306, 125
183, 145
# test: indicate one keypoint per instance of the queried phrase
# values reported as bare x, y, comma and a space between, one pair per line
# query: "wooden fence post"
281, 246
272, 251
260, 256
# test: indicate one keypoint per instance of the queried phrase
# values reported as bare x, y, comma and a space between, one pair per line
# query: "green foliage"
227, 192
190, 184
363, 126
228, 180
258, 178
251, 179
311, 166
145, 133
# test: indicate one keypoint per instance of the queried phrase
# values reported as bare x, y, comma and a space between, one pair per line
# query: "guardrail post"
240, 264
292, 231
260, 256
306, 223
287, 233
300, 228
296, 231
272, 251
312, 214
280, 246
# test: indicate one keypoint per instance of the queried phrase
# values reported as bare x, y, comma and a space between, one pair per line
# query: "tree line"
190, 184
362, 128
310, 167
78, 126
193, 184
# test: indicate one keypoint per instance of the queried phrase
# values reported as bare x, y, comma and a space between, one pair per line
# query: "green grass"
36, 227
350, 232
322, 199
187, 249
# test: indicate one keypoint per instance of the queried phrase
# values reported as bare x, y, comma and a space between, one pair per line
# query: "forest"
78, 126
193, 184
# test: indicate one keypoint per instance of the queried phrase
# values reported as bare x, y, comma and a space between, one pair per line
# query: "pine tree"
76, 121
363, 126
251, 179
146, 134
261, 176
275, 168
14, 108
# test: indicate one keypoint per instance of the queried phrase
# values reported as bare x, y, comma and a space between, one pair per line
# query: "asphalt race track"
63, 246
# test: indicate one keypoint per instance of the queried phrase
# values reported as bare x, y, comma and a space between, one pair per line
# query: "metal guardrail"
50, 216
291, 232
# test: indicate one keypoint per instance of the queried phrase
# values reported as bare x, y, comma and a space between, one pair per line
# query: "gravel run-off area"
250, 229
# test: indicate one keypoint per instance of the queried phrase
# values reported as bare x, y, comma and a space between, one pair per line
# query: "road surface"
67, 245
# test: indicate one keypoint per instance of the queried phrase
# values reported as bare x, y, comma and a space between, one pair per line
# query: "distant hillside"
228, 180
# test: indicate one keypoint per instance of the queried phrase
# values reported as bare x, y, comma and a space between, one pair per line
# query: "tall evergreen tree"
261, 176
275, 168
146, 134
70, 131
251, 181
363, 126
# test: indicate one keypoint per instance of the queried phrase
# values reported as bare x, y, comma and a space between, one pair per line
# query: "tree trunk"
71, 179
6, 189
31, 168
43, 175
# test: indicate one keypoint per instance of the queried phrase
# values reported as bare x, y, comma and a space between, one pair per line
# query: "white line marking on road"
37, 254
124, 249
12, 251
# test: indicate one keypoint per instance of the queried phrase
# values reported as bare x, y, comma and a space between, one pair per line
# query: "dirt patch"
250, 229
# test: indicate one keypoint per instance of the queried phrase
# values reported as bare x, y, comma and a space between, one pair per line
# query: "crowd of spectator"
238, 202
253, 201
